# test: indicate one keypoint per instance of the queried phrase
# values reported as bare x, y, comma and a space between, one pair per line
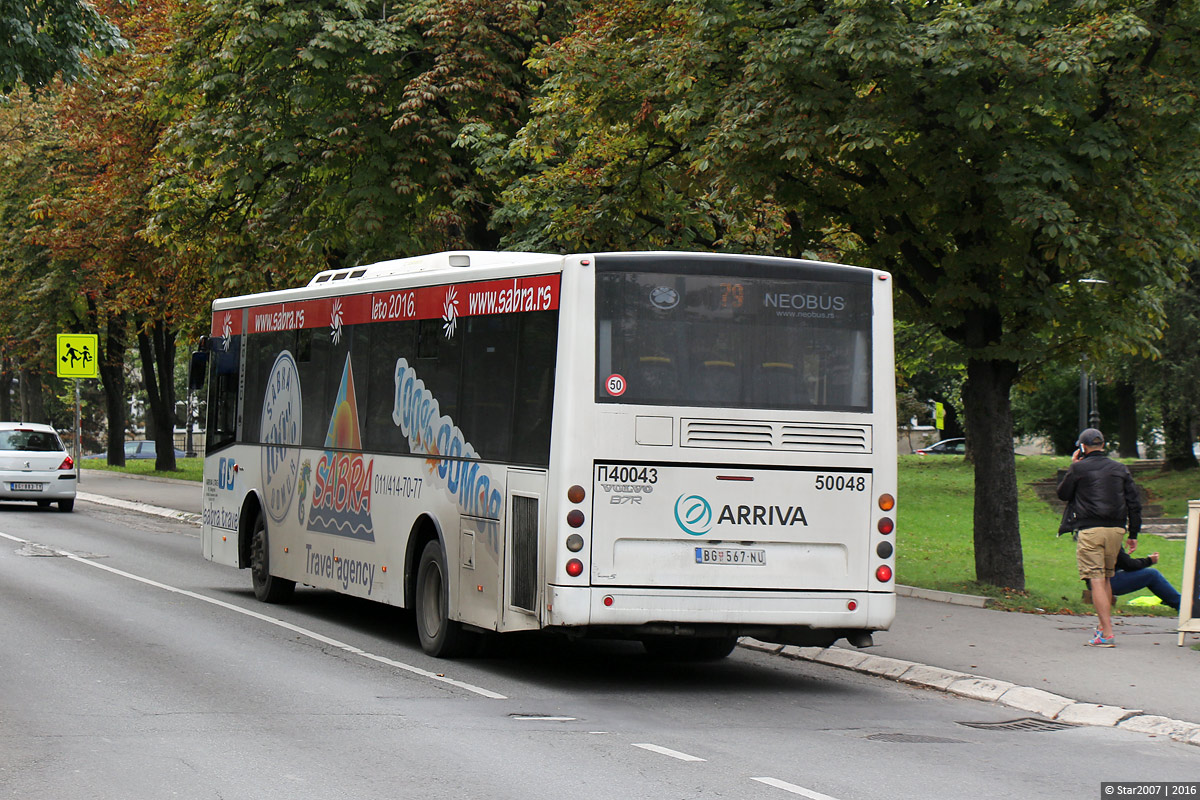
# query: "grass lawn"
934, 530
934, 534
188, 469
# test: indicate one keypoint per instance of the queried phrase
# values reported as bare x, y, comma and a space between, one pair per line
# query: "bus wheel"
715, 649
267, 587
441, 637
679, 648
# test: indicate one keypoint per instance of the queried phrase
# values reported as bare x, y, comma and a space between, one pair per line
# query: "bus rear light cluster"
575, 519
886, 525
884, 573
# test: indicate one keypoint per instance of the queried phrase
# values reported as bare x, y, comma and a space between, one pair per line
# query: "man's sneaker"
1099, 641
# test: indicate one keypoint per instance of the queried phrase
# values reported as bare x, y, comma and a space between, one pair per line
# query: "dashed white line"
793, 788
277, 622
653, 748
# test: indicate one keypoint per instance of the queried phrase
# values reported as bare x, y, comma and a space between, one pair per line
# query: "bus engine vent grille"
762, 435
826, 438
524, 552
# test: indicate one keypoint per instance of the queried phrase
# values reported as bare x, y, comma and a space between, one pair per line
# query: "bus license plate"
731, 555
26, 487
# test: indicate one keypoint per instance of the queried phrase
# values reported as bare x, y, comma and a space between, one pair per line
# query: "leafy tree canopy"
992, 154
39, 40
316, 133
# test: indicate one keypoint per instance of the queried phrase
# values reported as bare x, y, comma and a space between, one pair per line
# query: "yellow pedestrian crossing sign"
76, 355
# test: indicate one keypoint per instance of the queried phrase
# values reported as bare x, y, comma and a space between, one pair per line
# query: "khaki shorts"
1097, 551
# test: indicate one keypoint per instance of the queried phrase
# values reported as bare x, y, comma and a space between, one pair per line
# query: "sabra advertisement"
333, 492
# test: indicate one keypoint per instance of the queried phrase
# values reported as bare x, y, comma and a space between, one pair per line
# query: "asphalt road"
134, 669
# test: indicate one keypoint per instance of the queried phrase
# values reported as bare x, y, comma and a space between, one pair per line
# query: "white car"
34, 465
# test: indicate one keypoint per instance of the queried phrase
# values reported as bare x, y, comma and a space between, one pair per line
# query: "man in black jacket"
1105, 501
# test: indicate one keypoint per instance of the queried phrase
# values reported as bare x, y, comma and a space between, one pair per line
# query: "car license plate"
731, 555
26, 487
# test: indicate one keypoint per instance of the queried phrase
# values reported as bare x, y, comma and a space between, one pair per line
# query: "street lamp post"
1089, 407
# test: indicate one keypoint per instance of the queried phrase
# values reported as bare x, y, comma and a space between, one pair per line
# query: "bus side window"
488, 385
221, 427
536, 350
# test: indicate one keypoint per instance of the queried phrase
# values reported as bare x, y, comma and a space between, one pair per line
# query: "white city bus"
677, 448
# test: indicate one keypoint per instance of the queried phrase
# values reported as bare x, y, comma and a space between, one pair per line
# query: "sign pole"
78, 432
75, 357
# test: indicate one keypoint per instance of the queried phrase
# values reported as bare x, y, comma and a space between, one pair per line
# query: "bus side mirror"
198, 371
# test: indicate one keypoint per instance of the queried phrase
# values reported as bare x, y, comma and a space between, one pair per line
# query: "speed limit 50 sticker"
615, 384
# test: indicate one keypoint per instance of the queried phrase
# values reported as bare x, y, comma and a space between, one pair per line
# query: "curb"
944, 597
976, 687
143, 508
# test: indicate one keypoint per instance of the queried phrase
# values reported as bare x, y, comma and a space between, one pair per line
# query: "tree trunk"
157, 349
1127, 424
1177, 433
986, 397
6, 384
112, 378
33, 402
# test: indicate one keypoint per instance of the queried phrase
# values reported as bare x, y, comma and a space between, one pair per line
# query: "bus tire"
681, 648
441, 637
267, 587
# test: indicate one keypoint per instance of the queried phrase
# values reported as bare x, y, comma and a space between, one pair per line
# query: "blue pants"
1126, 581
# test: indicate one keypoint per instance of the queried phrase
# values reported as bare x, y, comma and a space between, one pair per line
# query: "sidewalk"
1035, 663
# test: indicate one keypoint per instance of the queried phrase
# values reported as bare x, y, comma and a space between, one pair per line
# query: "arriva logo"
693, 514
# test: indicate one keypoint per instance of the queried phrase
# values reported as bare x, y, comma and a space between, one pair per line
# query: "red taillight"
68, 463
851, 605
886, 525
608, 600
575, 518
884, 573
574, 567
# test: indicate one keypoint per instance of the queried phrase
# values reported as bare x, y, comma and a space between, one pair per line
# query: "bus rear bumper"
771, 616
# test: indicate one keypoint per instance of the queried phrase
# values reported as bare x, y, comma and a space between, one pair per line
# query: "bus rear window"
733, 340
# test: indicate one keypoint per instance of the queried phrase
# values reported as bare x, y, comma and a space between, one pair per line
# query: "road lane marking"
349, 648
653, 748
793, 788
536, 718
